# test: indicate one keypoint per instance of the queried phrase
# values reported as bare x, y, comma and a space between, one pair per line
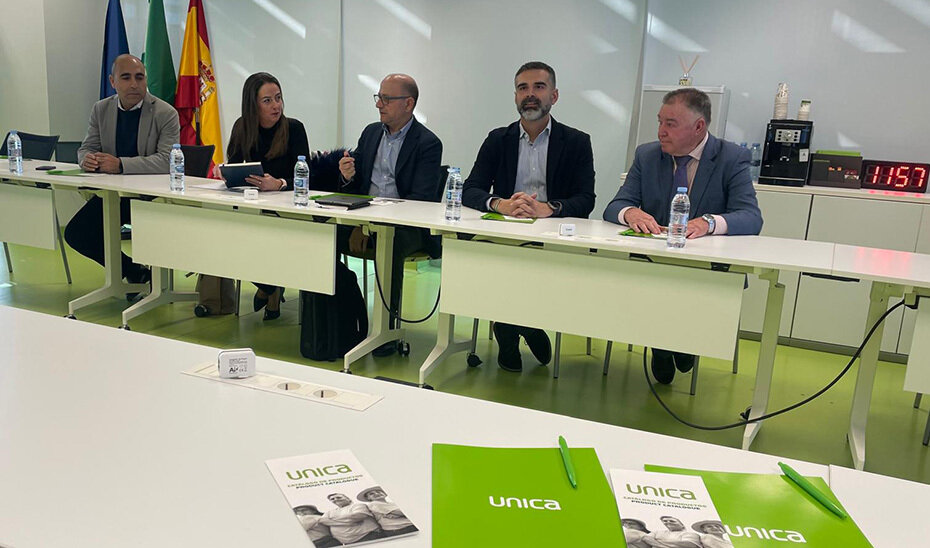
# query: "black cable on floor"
780, 411
386, 306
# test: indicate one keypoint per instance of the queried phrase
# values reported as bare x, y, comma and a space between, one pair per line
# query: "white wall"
464, 56
23, 87
73, 45
862, 62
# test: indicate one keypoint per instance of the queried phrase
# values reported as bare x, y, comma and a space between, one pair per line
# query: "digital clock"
901, 176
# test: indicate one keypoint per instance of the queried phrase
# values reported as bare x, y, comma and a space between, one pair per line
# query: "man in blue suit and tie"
716, 172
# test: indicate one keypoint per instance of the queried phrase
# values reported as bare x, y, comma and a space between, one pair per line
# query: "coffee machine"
786, 157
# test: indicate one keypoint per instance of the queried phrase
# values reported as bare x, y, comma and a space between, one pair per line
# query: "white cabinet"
784, 215
834, 312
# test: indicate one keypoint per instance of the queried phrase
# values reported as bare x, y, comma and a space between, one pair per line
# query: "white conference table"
598, 307
106, 443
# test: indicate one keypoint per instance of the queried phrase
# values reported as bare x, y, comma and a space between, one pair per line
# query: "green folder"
75, 171
761, 510
633, 233
491, 216
490, 497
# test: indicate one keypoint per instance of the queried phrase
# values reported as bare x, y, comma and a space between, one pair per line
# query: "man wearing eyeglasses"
535, 167
397, 157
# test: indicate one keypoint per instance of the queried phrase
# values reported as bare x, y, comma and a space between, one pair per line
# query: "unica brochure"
713, 509
492, 497
666, 510
336, 501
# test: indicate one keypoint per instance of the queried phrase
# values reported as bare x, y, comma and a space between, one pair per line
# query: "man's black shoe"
684, 362
539, 344
385, 350
663, 366
508, 344
201, 311
509, 359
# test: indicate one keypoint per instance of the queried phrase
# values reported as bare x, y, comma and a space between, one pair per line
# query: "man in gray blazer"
130, 132
716, 173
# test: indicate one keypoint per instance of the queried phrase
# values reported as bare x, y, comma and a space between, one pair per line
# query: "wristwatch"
556, 208
711, 222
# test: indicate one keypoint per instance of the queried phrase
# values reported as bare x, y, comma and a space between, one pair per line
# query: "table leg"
445, 345
868, 361
380, 330
113, 285
162, 293
770, 325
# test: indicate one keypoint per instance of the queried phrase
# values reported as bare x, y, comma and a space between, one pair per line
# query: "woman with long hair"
263, 134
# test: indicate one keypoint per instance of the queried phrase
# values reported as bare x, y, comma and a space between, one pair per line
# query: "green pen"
567, 461
802, 482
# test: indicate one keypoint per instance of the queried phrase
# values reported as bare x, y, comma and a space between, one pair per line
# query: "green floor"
815, 432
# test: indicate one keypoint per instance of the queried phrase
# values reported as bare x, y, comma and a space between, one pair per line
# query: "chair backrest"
197, 159
37, 147
441, 185
66, 151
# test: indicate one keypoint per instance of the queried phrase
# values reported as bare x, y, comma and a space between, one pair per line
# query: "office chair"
197, 159
38, 147
35, 147
66, 151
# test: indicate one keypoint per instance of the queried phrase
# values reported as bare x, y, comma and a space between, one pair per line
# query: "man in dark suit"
130, 132
535, 167
397, 157
716, 172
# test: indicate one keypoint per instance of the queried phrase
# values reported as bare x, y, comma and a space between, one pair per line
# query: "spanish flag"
196, 96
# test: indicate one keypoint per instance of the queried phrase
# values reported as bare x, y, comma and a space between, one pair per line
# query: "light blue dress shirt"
383, 177
531, 163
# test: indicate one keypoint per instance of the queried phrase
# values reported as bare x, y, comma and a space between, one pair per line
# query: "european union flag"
115, 44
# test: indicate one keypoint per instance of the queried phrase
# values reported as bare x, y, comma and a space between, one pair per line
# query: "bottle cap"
13, 132
176, 145
301, 158
683, 190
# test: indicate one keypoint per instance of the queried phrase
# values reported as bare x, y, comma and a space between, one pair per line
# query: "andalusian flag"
196, 99
159, 67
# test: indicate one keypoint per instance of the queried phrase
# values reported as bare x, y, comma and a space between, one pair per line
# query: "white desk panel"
26, 202
284, 252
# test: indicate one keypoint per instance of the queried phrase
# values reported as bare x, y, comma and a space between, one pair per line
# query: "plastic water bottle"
176, 169
755, 167
678, 218
14, 150
301, 182
454, 195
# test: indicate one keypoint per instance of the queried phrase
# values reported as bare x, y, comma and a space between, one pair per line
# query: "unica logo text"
308, 473
782, 535
648, 490
534, 504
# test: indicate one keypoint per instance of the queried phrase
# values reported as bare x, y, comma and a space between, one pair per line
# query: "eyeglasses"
385, 99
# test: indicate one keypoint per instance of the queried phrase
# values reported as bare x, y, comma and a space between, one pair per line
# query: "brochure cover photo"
336, 501
666, 510
493, 497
